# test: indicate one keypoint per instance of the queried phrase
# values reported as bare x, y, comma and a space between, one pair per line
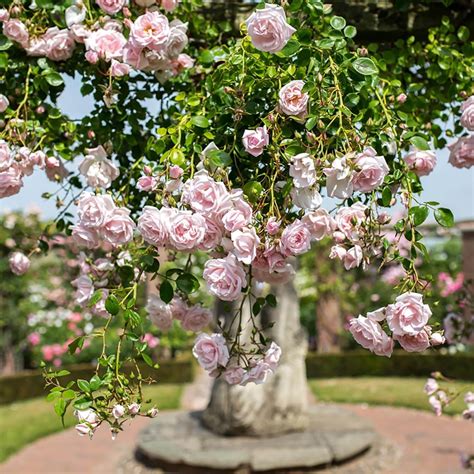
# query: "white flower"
98, 169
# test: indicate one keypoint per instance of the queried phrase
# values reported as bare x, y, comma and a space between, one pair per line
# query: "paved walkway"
424, 443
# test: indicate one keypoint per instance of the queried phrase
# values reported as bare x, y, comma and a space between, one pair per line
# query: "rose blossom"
98, 169
34, 338
178, 308
177, 39
273, 355
319, 223
302, 170
154, 225
4, 103
16, 30
431, 386
225, 277
169, 5
422, 162
187, 230
19, 263
306, 198
118, 69
60, 44
111, 6
133, 409
293, 101
4, 15
258, 373
151, 30
108, 44
238, 216
245, 244
417, 343
196, 319
118, 229
84, 289
94, 210
370, 335
147, 183
6, 156
85, 236
234, 375
255, 140
118, 411
372, 170
353, 257
211, 351
349, 219
75, 14
273, 226
408, 315
462, 152
467, 116
159, 313
295, 239
339, 178
268, 28
10, 181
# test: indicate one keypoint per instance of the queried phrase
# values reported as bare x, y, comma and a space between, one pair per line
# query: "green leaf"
150, 264
365, 66
350, 31
386, 196
444, 217
271, 300
53, 78
256, 308
337, 22
82, 404
200, 121
187, 283
326, 43
112, 305
76, 344
133, 318
253, 190
166, 291
291, 48
84, 385
96, 297
126, 273
148, 360
463, 33
219, 158
95, 383
5, 44
420, 214
419, 142
69, 394
60, 407
62, 373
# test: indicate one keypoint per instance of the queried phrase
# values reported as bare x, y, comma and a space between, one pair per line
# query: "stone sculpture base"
177, 442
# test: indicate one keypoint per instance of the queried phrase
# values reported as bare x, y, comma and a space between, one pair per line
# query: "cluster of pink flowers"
100, 220
462, 151
407, 319
450, 285
213, 356
18, 162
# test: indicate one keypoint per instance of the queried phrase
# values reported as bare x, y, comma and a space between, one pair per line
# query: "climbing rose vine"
253, 141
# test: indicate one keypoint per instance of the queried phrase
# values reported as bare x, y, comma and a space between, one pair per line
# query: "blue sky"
452, 187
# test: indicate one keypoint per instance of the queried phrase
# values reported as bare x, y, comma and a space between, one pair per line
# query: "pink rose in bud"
159, 313
118, 228
273, 226
401, 98
256, 140
176, 172
225, 277
353, 257
268, 28
154, 225
295, 239
92, 57
234, 375
95, 210
349, 220
422, 162
462, 152
118, 69
196, 319
293, 101
408, 315
111, 6
467, 113
4, 103
108, 44
118, 411
16, 30
302, 170
4, 15
85, 236
273, 355
151, 30
370, 335
150, 340
134, 409
372, 170
11, 181
319, 223
60, 44
187, 230
416, 343
147, 183
437, 339
169, 5
148, 170
19, 263
245, 243
153, 412
431, 386
211, 351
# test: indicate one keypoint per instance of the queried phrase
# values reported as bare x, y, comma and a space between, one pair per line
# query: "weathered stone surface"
178, 442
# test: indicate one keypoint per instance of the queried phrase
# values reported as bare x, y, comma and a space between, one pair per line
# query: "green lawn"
23, 422
395, 391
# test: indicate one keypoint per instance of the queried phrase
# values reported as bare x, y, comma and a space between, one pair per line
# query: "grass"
24, 422
393, 391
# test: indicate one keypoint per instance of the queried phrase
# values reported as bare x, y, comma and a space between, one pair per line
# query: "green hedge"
30, 384
401, 364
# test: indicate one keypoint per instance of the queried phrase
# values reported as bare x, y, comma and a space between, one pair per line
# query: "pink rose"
372, 171
401, 98
11, 181
273, 355
19, 263
339, 182
213, 236
75, 14
431, 386
118, 228
416, 343
234, 375
319, 223
255, 140
293, 101
302, 170
84, 289
147, 183
436, 405
118, 411
258, 373
353, 257
280, 277
85, 236
178, 308
135, 56
60, 44
169, 5
92, 57
295, 239
151, 30
108, 44
370, 335
118, 69
462, 152
111, 6
98, 169
467, 116
196, 319
225, 277
245, 244
337, 251
421, 162
159, 313
187, 230
184, 61
80, 33
134, 408
154, 225
38, 158
177, 39
16, 30
34, 338
205, 195
408, 315
306, 198
268, 28
211, 351
4, 15
4, 103
176, 172
94, 210
349, 220
239, 215
273, 226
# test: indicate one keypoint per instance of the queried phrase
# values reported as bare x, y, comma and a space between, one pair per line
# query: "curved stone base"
177, 442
